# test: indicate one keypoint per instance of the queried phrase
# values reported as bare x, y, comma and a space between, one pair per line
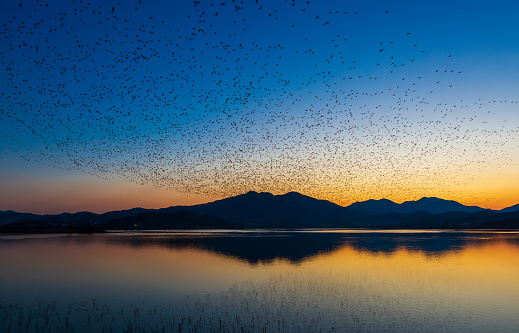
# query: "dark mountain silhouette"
39, 227
430, 205
118, 214
79, 218
9, 216
422, 220
486, 219
376, 207
154, 220
267, 210
513, 208
147, 220
492, 220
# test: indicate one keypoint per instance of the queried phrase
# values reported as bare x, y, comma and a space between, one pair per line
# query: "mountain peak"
293, 194
432, 205
424, 199
374, 206
379, 200
251, 194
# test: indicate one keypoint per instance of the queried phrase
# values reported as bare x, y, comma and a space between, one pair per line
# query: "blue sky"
185, 102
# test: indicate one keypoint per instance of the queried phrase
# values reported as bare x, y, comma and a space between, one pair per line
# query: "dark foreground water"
225, 281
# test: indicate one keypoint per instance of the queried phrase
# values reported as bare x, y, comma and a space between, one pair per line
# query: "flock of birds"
222, 97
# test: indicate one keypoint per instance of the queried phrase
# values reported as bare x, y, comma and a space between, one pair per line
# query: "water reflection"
296, 247
307, 281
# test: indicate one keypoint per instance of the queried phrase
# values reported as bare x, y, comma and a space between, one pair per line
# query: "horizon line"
232, 196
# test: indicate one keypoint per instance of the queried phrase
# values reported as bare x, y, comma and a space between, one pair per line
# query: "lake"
261, 281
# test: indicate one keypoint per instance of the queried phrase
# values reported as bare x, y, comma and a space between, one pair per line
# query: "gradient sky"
109, 105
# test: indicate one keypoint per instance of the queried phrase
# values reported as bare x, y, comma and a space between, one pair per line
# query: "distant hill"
10, 216
484, 219
79, 218
494, 220
513, 208
39, 227
430, 205
155, 220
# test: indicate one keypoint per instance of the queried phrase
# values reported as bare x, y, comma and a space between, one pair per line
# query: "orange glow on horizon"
73, 193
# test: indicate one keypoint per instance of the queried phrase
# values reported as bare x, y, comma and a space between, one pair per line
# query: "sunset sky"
108, 105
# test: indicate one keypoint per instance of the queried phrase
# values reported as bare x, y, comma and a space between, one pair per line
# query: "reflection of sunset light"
477, 273
476, 278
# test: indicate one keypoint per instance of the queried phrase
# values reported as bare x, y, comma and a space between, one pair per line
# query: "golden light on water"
368, 283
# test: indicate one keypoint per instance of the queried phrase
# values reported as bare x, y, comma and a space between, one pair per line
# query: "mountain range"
429, 205
265, 210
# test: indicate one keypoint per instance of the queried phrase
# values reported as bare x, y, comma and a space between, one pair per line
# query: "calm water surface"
225, 281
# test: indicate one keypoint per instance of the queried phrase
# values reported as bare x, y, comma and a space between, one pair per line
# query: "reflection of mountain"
296, 247
430, 244
253, 247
